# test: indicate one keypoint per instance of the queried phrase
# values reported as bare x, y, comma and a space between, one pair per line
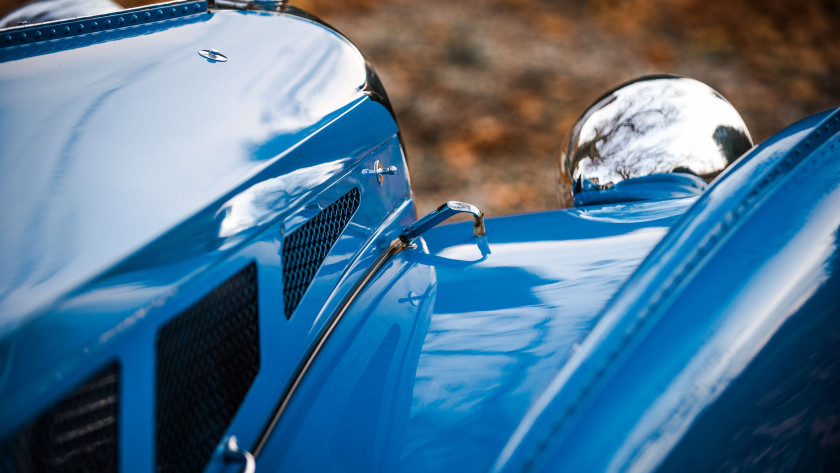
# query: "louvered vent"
79, 434
207, 358
306, 248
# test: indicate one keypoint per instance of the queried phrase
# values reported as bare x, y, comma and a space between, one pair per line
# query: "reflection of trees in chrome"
731, 141
655, 125
611, 150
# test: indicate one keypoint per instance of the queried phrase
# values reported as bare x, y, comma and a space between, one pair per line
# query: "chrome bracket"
232, 452
435, 217
380, 172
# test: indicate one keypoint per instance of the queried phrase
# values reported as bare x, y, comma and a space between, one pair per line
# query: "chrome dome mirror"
653, 125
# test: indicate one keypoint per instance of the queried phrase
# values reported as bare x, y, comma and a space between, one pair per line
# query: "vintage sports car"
210, 261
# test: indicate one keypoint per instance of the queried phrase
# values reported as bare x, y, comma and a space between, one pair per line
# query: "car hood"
108, 148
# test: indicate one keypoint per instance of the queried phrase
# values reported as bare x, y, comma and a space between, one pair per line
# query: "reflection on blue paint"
101, 162
502, 327
614, 337
126, 201
750, 255
491, 329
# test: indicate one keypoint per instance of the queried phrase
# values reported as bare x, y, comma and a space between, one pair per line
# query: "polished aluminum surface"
654, 125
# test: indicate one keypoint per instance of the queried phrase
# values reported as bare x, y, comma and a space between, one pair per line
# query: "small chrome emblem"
380, 171
213, 55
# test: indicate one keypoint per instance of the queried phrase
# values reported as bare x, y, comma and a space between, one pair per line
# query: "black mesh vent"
207, 358
79, 434
305, 249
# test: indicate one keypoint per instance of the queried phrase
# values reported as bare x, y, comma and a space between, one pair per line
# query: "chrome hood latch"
435, 217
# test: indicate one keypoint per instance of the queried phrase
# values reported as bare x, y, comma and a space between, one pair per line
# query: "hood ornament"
213, 55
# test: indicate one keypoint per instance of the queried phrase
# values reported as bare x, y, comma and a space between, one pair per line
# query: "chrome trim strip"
119, 20
393, 248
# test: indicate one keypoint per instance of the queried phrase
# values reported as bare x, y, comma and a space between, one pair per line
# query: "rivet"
66, 30
81, 28
8, 39
147, 16
107, 23
121, 21
134, 18
23, 36
172, 12
94, 25
38, 35
186, 9
52, 32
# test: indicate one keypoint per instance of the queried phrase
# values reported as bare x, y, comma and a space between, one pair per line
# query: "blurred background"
485, 90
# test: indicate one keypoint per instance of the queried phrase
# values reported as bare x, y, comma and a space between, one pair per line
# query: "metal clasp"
379, 171
232, 452
435, 217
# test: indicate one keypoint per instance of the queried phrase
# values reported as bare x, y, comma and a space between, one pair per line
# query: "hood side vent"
77, 434
306, 248
207, 359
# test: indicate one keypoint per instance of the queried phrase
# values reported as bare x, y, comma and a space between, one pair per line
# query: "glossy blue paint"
652, 187
125, 160
140, 200
739, 270
480, 330
26, 41
437, 361
617, 335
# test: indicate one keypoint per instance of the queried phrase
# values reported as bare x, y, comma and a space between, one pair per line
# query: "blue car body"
197, 247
